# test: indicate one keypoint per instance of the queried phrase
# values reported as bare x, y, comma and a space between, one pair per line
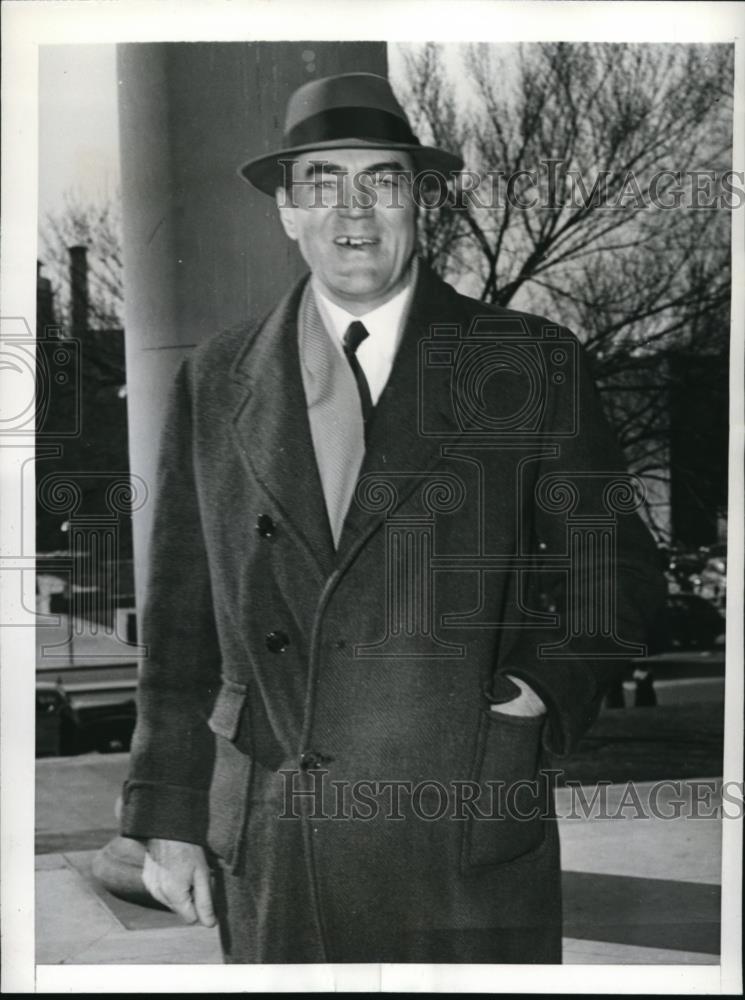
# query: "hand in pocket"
527, 704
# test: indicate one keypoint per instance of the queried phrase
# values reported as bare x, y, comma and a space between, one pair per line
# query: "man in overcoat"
395, 561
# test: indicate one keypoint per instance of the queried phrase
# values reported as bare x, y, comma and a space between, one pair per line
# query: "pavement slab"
76, 796
605, 953
70, 918
651, 913
164, 946
687, 848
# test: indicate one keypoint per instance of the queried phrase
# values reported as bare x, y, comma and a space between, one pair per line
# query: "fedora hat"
348, 111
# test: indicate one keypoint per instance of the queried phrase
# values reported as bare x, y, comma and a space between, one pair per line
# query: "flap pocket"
226, 714
512, 791
231, 777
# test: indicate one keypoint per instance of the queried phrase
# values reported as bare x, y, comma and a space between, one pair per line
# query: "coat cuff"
169, 812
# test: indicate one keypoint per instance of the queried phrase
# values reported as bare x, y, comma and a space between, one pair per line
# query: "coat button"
277, 642
311, 760
265, 526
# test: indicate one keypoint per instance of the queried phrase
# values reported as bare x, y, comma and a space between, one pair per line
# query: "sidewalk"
636, 890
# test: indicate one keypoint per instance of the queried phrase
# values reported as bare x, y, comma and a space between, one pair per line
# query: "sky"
78, 140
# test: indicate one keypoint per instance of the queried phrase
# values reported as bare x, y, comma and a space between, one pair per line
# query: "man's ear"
286, 212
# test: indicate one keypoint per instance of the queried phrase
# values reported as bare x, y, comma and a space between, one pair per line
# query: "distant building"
82, 444
699, 446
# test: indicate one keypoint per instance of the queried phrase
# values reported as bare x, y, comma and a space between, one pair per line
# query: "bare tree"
594, 196
97, 226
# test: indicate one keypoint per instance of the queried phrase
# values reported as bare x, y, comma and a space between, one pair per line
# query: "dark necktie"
352, 339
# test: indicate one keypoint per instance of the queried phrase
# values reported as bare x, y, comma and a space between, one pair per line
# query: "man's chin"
359, 290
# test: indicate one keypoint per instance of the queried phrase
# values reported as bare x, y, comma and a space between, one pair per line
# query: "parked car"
54, 723
86, 681
711, 582
690, 622
64, 728
702, 572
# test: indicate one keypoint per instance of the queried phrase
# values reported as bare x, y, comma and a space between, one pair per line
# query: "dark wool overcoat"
321, 720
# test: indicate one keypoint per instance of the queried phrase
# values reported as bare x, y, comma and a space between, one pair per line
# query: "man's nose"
355, 200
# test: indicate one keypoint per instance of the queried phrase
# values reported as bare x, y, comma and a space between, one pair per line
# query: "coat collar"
412, 418
272, 432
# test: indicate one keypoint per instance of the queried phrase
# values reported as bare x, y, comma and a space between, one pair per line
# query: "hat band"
345, 123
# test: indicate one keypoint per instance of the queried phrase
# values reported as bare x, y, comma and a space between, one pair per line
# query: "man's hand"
527, 703
178, 876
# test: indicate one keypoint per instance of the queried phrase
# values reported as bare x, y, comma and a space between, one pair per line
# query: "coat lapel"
413, 417
272, 432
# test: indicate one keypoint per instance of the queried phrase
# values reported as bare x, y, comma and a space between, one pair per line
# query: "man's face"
353, 215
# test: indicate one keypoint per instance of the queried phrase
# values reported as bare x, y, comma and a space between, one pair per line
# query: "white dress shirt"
385, 327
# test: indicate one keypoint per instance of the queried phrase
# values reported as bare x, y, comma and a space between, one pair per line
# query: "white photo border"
28, 24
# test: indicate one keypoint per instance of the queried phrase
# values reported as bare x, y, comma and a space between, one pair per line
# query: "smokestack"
44, 301
79, 289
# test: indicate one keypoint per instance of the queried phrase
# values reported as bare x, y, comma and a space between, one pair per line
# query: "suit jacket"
277, 665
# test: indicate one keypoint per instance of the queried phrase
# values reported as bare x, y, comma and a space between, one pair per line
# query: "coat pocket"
231, 776
509, 812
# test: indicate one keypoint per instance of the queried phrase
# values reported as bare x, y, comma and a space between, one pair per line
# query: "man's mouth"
355, 242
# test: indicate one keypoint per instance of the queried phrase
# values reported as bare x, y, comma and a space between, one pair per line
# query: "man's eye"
327, 184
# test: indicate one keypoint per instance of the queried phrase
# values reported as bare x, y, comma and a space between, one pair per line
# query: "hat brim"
267, 173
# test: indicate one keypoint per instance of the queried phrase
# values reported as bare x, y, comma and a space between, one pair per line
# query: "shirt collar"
385, 324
